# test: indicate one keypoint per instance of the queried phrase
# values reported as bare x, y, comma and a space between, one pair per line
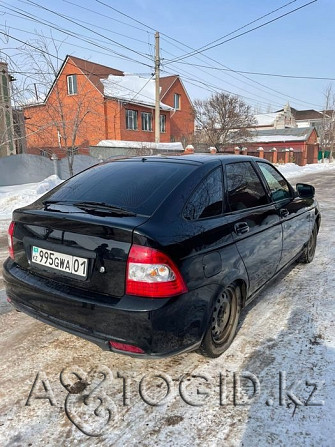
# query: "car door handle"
284, 212
241, 228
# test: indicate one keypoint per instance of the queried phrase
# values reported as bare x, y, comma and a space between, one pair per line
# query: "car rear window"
137, 186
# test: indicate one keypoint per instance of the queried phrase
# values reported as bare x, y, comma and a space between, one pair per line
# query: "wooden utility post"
157, 98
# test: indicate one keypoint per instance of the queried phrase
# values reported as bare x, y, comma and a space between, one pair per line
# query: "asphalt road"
4, 305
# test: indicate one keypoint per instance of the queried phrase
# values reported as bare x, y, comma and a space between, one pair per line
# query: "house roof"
114, 83
307, 115
329, 113
132, 89
280, 135
95, 72
302, 115
166, 83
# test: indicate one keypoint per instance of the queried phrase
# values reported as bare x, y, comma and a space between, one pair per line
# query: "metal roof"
287, 134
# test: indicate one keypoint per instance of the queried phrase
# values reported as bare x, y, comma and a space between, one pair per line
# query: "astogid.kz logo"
93, 398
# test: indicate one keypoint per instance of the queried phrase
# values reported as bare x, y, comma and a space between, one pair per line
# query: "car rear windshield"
137, 186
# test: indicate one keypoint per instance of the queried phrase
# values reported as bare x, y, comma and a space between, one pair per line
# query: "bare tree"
223, 119
57, 123
327, 127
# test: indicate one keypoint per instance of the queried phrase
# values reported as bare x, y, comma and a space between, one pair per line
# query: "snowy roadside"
12, 197
291, 170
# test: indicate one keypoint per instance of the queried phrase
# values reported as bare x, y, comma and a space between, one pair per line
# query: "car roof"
195, 159
224, 158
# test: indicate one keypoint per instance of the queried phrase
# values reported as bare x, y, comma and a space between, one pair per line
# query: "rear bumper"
160, 327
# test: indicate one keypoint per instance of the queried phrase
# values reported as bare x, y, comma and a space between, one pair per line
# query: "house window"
176, 101
131, 119
72, 84
162, 123
146, 121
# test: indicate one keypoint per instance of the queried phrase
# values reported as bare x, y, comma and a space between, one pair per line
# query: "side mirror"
305, 191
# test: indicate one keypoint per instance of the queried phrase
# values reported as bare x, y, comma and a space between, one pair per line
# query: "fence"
24, 168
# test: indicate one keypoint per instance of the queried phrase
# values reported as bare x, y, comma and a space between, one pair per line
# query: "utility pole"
157, 99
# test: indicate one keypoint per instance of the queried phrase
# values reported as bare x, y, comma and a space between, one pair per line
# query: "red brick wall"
99, 118
64, 111
299, 149
182, 121
139, 134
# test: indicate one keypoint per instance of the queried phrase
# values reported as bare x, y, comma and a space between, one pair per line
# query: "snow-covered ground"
284, 349
16, 196
290, 170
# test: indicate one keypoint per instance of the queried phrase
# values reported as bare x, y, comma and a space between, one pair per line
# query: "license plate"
60, 261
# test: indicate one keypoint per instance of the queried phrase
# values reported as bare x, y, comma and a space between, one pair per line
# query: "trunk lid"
68, 237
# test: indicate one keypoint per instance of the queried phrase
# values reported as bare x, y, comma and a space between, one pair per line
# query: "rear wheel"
309, 251
223, 323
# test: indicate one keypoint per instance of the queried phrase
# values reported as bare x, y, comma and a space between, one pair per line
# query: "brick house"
90, 102
299, 145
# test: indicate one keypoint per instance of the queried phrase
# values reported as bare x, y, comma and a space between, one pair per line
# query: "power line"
207, 57
61, 41
248, 24
104, 15
227, 68
198, 79
268, 88
125, 15
317, 78
210, 46
72, 34
85, 27
241, 88
88, 72
214, 88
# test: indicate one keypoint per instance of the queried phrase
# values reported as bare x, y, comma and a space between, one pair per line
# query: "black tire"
309, 251
223, 323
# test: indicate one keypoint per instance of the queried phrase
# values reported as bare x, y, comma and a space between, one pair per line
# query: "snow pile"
290, 170
133, 89
276, 138
142, 145
17, 196
47, 184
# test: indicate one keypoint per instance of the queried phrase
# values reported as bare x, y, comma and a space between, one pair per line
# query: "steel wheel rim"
223, 314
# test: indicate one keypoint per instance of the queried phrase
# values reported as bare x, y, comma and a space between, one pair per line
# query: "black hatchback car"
155, 256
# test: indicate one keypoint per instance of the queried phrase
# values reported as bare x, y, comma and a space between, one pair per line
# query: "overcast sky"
299, 44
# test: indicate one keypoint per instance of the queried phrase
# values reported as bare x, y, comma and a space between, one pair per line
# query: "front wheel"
309, 251
223, 323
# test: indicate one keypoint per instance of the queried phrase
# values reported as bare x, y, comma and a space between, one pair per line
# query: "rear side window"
245, 189
137, 186
277, 184
207, 199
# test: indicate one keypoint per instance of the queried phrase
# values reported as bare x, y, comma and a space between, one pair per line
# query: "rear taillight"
152, 274
10, 240
125, 347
